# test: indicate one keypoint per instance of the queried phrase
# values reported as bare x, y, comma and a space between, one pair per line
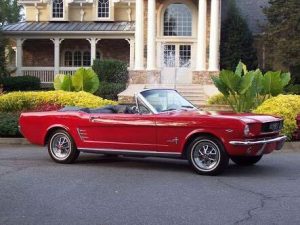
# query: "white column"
151, 35
93, 42
214, 44
19, 56
139, 35
131, 54
201, 39
56, 42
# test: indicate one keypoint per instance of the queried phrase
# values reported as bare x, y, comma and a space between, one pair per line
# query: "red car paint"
165, 132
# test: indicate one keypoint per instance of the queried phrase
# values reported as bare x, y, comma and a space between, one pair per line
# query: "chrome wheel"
205, 155
60, 146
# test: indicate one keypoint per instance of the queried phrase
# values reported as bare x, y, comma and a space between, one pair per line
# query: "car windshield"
166, 100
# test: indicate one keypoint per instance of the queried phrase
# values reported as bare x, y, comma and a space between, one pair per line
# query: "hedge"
24, 101
110, 90
23, 83
9, 124
111, 71
286, 106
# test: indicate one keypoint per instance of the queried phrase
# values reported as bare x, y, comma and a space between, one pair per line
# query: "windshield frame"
152, 108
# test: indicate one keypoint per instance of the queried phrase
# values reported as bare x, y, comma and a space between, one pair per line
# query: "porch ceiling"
69, 27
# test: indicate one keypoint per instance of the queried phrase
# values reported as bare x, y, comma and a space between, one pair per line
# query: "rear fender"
52, 128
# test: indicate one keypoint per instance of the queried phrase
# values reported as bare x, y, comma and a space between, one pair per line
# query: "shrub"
293, 89
23, 83
82, 80
286, 106
20, 101
9, 125
245, 90
111, 71
110, 90
218, 99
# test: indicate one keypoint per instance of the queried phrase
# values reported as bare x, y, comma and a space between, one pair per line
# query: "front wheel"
207, 155
62, 148
245, 160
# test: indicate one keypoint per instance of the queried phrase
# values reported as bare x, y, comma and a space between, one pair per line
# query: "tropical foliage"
236, 40
245, 90
286, 106
24, 101
82, 80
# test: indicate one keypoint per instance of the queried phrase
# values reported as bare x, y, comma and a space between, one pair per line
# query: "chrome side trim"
131, 152
265, 141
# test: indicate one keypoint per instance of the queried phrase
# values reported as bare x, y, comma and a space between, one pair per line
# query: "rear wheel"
62, 148
207, 155
245, 160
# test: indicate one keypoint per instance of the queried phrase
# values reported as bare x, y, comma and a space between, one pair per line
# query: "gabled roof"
72, 27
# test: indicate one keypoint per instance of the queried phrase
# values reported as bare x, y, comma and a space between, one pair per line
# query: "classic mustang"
161, 124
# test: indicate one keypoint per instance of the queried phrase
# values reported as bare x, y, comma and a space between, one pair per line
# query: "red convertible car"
161, 124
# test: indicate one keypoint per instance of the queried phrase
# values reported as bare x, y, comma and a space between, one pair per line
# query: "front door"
176, 64
121, 131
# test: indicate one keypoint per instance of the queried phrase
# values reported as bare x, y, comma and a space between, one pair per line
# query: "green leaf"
231, 80
239, 69
85, 80
246, 82
63, 82
285, 79
220, 85
272, 83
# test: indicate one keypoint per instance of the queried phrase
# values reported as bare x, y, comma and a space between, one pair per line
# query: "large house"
163, 41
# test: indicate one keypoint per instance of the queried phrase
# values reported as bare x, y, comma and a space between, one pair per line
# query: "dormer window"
58, 9
103, 8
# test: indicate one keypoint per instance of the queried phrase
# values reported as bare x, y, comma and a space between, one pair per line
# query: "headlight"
246, 130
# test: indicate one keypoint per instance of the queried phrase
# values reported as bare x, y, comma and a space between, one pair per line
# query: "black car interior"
110, 109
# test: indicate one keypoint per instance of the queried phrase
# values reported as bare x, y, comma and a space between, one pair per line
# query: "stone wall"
114, 49
203, 77
38, 53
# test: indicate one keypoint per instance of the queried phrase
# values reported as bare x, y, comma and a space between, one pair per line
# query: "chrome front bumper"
279, 141
265, 141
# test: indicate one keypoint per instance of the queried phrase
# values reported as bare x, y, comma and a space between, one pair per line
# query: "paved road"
104, 191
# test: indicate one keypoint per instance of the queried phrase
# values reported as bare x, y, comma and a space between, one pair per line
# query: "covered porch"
44, 54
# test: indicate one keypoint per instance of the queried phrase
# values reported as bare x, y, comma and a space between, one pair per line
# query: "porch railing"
46, 74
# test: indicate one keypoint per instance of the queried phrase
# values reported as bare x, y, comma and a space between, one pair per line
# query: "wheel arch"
53, 128
196, 134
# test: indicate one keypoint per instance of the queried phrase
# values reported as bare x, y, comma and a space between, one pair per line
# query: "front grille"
272, 126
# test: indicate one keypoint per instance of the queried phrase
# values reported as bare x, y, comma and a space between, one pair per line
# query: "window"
103, 8
68, 58
58, 9
86, 59
177, 20
184, 55
169, 55
77, 58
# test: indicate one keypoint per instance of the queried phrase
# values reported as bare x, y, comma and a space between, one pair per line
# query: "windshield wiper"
187, 106
166, 110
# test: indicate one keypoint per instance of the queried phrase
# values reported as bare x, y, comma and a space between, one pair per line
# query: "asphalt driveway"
103, 190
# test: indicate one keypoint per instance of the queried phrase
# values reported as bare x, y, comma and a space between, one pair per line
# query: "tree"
9, 13
282, 33
236, 40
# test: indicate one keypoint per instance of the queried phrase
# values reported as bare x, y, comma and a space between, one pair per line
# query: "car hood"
245, 117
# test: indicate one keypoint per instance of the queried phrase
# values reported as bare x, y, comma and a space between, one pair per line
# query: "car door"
121, 132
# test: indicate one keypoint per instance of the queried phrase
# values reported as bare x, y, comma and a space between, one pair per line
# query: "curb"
288, 146
14, 141
291, 147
